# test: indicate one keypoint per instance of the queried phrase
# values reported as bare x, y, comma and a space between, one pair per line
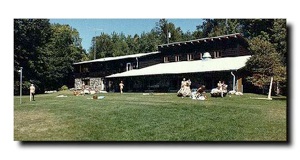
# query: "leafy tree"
30, 36
198, 33
279, 38
264, 63
218, 27
59, 55
256, 27
133, 43
103, 46
46, 52
187, 36
163, 28
120, 46
148, 42
207, 27
274, 32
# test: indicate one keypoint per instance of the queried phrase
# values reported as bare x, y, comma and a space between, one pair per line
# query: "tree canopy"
264, 63
117, 44
46, 52
267, 43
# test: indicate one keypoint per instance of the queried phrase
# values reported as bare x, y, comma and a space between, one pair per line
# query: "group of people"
199, 94
185, 91
220, 91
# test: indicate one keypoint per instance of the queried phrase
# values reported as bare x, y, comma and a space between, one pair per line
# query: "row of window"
190, 57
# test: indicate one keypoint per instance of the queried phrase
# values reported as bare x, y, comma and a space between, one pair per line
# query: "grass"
158, 117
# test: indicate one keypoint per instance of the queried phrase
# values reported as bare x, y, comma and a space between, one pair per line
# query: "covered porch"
166, 77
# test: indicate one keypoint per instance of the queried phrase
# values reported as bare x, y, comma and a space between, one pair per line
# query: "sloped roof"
210, 65
203, 40
119, 57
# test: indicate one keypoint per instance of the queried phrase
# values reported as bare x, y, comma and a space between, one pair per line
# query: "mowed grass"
157, 117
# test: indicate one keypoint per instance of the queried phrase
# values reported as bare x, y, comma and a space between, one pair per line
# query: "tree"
264, 64
30, 36
279, 38
163, 28
120, 46
187, 36
103, 46
275, 32
59, 55
256, 27
133, 43
218, 27
148, 42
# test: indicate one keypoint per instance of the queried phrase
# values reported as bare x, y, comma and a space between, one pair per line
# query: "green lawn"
158, 117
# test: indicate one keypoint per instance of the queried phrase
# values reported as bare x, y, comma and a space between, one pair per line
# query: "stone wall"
78, 83
95, 84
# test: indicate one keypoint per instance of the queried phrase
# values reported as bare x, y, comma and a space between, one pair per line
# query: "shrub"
63, 88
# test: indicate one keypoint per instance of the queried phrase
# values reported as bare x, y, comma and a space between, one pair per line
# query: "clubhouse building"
204, 61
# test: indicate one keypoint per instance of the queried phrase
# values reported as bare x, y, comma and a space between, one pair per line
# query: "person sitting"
185, 90
220, 91
201, 93
201, 90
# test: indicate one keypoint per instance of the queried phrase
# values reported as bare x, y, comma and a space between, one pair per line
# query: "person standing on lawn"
121, 87
32, 92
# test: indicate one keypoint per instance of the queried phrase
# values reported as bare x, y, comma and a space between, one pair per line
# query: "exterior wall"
95, 84
239, 85
78, 83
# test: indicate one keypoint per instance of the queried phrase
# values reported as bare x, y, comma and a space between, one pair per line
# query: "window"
190, 57
128, 67
86, 82
217, 54
166, 59
177, 59
84, 69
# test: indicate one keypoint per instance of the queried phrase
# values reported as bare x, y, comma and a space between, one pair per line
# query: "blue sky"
87, 28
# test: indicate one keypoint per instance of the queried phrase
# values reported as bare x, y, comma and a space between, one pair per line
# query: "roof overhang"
197, 66
203, 40
118, 58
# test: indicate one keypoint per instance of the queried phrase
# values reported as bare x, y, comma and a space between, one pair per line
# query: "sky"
88, 28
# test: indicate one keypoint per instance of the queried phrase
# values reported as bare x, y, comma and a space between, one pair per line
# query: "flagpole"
21, 84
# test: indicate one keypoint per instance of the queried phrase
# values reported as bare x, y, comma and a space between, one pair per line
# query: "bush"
64, 87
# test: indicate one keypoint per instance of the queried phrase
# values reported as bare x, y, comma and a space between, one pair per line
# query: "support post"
270, 89
21, 68
233, 83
